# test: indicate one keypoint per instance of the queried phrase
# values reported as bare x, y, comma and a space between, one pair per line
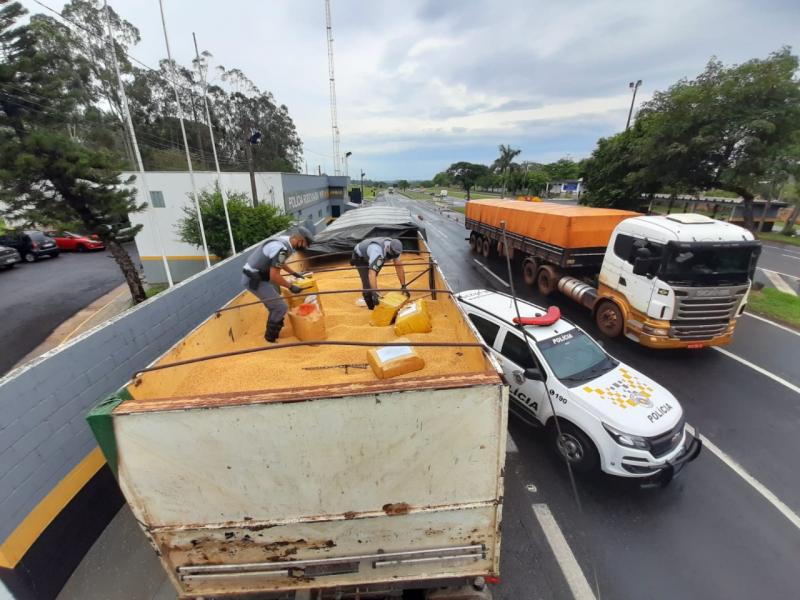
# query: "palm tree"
503, 163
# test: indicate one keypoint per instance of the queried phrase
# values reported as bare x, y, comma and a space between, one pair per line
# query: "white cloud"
422, 83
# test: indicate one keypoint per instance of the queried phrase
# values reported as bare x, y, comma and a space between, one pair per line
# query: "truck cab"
612, 417
675, 281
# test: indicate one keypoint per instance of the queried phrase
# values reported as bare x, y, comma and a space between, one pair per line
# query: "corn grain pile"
345, 320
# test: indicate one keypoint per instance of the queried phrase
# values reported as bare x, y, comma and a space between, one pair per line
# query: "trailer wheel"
501, 250
486, 248
473, 242
529, 267
547, 280
609, 318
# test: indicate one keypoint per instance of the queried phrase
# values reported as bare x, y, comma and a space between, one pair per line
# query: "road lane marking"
778, 272
792, 256
576, 580
779, 283
754, 483
774, 324
780, 249
489, 271
511, 445
761, 370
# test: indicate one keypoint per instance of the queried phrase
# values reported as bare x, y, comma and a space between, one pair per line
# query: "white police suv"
611, 416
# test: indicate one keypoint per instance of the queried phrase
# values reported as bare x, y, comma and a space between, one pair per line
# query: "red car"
75, 242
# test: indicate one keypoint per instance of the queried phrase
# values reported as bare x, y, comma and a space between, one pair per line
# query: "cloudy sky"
424, 83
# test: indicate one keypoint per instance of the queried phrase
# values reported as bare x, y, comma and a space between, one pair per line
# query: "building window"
157, 200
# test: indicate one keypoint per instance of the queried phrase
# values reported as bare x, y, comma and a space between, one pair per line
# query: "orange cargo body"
566, 226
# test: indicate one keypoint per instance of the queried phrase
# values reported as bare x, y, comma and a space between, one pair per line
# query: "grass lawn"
774, 236
417, 195
776, 305
154, 289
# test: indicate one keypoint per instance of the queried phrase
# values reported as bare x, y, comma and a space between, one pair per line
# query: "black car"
31, 244
8, 257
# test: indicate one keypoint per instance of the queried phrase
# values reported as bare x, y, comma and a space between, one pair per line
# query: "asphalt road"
36, 298
727, 527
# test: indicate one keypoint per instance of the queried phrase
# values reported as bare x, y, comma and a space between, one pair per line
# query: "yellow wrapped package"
413, 318
307, 285
391, 361
308, 323
387, 308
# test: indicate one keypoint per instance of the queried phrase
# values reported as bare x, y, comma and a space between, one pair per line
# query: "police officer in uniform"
262, 275
369, 257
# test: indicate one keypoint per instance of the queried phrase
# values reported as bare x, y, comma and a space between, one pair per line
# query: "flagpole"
183, 132
132, 132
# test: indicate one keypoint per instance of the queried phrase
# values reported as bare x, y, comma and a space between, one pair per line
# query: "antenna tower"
332, 83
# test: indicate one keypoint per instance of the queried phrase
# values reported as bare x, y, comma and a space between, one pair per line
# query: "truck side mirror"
534, 374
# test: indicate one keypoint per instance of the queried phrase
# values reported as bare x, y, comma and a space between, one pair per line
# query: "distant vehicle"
75, 242
8, 257
391, 190
443, 193
31, 244
612, 417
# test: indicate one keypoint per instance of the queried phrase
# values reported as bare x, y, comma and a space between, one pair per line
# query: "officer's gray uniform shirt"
274, 253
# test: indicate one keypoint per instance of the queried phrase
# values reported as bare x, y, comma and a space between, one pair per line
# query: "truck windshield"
575, 358
701, 265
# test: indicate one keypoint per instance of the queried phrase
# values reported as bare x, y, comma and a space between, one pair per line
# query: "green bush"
250, 224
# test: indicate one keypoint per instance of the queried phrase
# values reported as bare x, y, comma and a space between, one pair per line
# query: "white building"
310, 199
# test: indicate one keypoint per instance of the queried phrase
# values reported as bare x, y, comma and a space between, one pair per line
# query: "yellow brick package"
307, 285
391, 361
413, 318
387, 308
308, 323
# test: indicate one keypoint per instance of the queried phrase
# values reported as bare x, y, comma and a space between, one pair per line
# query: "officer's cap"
396, 247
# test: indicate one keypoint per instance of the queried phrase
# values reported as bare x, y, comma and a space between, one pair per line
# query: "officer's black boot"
273, 330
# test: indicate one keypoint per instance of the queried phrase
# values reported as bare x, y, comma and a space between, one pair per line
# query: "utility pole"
183, 133
332, 90
634, 87
248, 148
132, 132
362, 187
214, 146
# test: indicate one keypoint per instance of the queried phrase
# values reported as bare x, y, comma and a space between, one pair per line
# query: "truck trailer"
292, 470
674, 281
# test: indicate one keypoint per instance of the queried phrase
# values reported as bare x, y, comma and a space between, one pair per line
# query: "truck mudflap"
673, 467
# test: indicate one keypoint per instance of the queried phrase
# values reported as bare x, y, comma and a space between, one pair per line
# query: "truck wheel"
547, 280
529, 270
486, 247
473, 242
575, 447
609, 318
502, 250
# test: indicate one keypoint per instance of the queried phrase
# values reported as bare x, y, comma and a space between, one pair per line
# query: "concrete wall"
43, 434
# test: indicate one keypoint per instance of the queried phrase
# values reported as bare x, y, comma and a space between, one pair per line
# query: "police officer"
262, 275
369, 257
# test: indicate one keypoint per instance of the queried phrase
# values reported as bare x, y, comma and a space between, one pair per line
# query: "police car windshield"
575, 358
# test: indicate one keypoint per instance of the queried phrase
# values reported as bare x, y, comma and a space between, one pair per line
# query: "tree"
730, 128
502, 164
402, 184
564, 168
46, 173
466, 173
250, 224
442, 179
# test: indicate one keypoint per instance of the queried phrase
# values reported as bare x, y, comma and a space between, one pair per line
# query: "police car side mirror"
534, 374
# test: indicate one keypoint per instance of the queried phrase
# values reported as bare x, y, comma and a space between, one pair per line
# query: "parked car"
8, 257
613, 418
75, 242
31, 244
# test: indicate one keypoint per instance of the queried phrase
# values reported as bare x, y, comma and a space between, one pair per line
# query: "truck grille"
704, 313
666, 442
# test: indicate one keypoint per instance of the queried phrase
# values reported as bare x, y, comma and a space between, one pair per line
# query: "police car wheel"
575, 447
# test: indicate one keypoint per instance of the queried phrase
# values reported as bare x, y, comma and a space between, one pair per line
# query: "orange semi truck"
674, 281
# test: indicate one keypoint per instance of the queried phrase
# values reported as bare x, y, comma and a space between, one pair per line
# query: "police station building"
312, 200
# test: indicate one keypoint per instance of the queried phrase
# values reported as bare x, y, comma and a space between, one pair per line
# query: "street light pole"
362, 187
634, 87
346, 156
